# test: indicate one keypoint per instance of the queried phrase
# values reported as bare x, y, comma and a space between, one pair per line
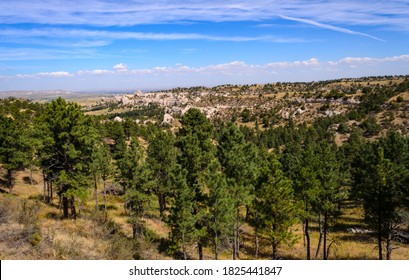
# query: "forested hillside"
245, 183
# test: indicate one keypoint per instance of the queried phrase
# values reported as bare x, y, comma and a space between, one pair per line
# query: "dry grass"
93, 237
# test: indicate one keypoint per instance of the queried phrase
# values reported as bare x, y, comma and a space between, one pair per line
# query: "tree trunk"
379, 222
105, 196
247, 213
256, 242
380, 240
96, 192
9, 178
275, 246
162, 204
44, 188
325, 236
65, 207
234, 241
216, 245
184, 246
73, 211
200, 249
320, 238
307, 236
50, 189
389, 246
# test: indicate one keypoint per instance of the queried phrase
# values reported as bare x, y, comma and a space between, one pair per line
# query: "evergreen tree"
161, 160
12, 157
182, 218
68, 139
131, 165
275, 205
101, 167
238, 160
221, 208
134, 178
380, 182
330, 192
117, 134
299, 164
30, 146
197, 152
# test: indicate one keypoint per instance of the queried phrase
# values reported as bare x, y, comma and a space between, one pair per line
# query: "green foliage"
116, 132
161, 161
12, 156
247, 116
335, 94
197, 153
101, 163
371, 126
182, 218
133, 173
134, 179
343, 128
21, 110
67, 142
275, 208
400, 99
238, 160
150, 111
35, 239
221, 208
380, 181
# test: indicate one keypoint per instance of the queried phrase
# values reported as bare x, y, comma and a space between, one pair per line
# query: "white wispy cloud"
57, 74
393, 13
330, 27
102, 36
25, 53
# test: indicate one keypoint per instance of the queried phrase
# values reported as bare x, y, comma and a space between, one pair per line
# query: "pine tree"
182, 218
381, 177
130, 165
221, 208
134, 177
330, 191
12, 156
67, 143
197, 152
275, 206
238, 160
161, 160
101, 167
300, 165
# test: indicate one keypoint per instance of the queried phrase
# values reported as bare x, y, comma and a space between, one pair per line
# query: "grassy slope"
89, 237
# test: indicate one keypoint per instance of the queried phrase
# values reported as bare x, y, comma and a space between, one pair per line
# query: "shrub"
371, 126
399, 99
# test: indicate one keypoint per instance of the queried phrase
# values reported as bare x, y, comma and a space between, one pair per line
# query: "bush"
35, 239
343, 128
399, 99
371, 126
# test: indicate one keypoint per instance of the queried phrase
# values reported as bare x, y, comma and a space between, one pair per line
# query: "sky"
128, 45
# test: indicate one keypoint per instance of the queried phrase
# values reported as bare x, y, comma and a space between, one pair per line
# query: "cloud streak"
330, 27
99, 36
392, 13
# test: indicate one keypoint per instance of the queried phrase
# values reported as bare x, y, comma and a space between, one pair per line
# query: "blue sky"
128, 45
